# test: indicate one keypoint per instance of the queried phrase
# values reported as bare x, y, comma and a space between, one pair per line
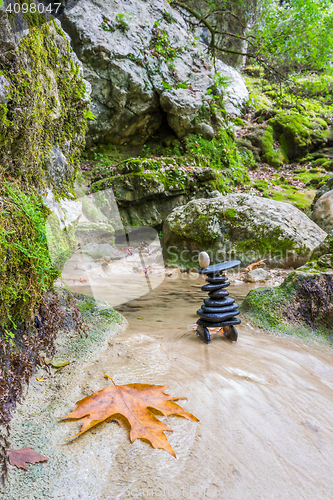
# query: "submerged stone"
220, 324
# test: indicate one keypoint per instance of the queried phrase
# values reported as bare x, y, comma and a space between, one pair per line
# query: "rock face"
240, 226
145, 69
323, 212
42, 126
236, 91
304, 298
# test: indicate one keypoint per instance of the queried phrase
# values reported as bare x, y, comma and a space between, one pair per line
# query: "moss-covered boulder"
299, 134
304, 299
240, 226
148, 189
260, 140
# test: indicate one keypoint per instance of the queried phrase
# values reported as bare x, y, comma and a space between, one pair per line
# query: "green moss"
26, 271
300, 305
265, 306
273, 157
230, 213
257, 98
45, 106
267, 243
302, 199
297, 133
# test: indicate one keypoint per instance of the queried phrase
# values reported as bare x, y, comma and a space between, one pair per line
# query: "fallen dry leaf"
59, 363
40, 379
20, 458
254, 266
132, 401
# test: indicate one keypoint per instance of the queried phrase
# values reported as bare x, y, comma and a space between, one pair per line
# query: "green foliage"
120, 23
294, 35
160, 45
273, 157
89, 115
168, 17
167, 86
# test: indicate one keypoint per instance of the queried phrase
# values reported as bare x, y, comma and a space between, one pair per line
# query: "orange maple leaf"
20, 458
133, 402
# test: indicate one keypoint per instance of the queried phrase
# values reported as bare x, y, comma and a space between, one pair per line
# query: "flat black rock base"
203, 334
230, 332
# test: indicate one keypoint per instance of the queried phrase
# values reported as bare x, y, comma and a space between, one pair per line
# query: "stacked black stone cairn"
219, 310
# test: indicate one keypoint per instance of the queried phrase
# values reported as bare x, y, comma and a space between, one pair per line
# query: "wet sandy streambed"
265, 406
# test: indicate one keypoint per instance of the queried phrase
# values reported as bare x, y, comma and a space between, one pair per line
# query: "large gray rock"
323, 212
147, 189
256, 276
241, 226
236, 91
144, 68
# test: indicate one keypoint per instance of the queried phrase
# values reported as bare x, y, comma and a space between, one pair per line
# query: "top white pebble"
204, 260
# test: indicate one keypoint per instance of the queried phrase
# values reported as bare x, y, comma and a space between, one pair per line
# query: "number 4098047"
32, 8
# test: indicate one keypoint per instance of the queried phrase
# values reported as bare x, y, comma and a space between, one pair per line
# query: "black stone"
215, 318
216, 310
217, 279
203, 333
217, 294
208, 324
224, 301
229, 331
211, 287
222, 266
219, 310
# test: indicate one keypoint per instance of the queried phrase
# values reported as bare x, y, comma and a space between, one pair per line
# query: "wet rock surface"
256, 276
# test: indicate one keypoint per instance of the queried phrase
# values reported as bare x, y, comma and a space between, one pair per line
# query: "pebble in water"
219, 311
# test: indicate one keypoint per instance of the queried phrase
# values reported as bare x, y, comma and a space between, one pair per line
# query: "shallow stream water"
265, 406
